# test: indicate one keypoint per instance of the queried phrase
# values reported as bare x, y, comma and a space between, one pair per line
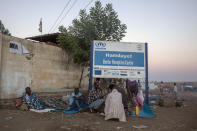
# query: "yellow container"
137, 110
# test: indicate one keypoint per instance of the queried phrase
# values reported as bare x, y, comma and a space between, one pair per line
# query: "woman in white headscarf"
114, 107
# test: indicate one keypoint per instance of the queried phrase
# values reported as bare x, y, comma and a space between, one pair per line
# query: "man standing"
161, 88
175, 91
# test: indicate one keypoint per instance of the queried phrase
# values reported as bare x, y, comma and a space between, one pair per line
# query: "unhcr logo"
100, 44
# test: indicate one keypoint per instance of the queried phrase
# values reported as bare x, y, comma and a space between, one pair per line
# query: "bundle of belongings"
134, 92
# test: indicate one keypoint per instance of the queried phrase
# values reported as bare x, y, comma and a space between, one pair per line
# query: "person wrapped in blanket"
29, 100
75, 99
114, 108
123, 93
95, 99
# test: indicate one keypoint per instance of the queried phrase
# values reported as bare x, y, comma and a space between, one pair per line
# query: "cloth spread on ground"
114, 107
73, 111
46, 104
53, 103
58, 105
146, 112
42, 111
68, 111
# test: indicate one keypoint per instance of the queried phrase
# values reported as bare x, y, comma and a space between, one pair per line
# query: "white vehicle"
187, 87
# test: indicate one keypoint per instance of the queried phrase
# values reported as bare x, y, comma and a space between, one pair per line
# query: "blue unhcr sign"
118, 59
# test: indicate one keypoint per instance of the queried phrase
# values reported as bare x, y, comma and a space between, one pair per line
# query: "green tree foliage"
3, 30
66, 40
101, 23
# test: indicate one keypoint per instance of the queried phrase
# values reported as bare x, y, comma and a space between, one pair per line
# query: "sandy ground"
166, 119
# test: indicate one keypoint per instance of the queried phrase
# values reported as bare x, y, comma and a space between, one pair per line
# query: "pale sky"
169, 26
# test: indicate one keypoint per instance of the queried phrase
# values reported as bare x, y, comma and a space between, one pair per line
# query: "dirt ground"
166, 119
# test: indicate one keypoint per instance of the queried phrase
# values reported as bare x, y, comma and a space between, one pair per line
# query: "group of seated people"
114, 106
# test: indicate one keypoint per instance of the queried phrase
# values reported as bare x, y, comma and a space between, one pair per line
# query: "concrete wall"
0, 60
46, 69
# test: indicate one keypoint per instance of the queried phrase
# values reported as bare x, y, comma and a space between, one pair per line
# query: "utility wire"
59, 15
84, 9
88, 4
65, 15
